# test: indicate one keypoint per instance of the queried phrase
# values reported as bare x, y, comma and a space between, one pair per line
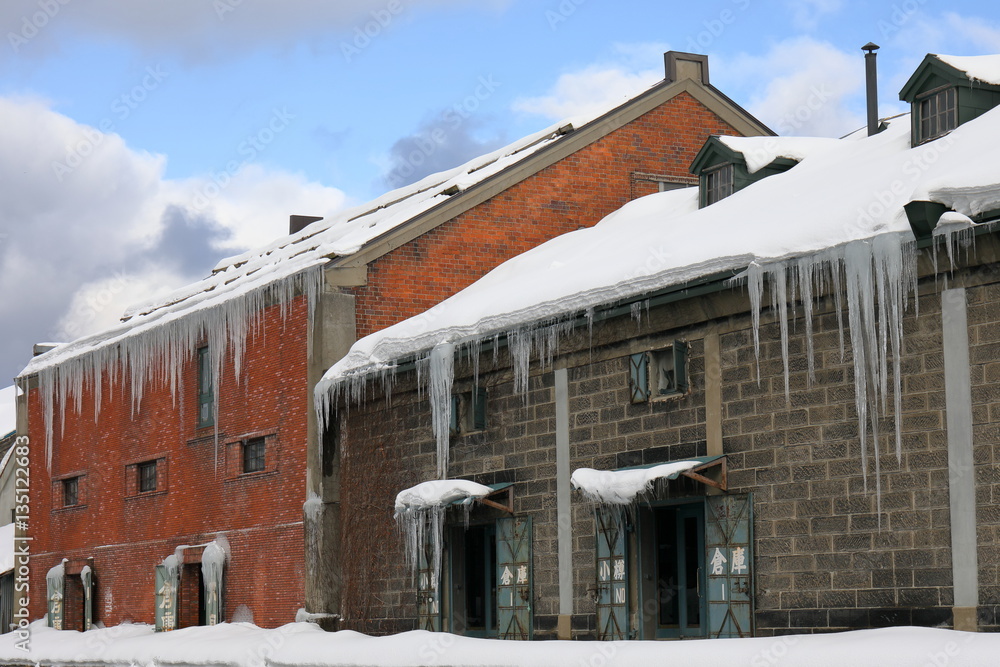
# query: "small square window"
718, 183
937, 114
71, 492
468, 411
659, 373
147, 476
253, 455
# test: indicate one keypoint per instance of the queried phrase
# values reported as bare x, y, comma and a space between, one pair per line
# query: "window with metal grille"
718, 183
147, 476
71, 491
937, 114
206, 394
253, 455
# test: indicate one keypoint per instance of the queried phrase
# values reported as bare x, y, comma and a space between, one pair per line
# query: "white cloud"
801, 86
587, 91
982, 33
807, 14
88, 225
200, 28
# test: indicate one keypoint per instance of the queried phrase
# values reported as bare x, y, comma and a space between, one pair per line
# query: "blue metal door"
428, 588
612, 574
729, 563
514, 578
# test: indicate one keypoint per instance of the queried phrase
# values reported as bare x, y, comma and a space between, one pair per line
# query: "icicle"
636, 312
779, 301
153, 351
877, 276
442, 373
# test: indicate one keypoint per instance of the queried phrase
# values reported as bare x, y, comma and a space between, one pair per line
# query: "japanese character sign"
739, 560
718, 562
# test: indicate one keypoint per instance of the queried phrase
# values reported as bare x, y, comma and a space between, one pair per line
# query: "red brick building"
178, 474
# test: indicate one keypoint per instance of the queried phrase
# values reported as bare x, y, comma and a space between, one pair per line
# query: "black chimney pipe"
871, 81
297, 223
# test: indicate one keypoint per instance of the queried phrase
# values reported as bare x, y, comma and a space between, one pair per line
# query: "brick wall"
128, 533
575, 192
825, 558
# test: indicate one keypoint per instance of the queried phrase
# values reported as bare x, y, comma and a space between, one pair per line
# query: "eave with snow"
831, 211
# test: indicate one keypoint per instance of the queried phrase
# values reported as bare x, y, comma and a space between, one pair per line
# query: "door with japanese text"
729, 563
514, 578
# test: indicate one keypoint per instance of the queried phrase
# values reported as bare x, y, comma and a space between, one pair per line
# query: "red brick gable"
575, 192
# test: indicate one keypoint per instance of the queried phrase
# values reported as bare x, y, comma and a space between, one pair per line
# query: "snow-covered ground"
301, 644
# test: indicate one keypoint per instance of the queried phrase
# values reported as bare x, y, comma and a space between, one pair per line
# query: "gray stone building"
763, 406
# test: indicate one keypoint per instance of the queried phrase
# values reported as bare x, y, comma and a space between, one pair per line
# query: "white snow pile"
306, 645
979, 68
8, 411
621, 487
762, 151
438, 493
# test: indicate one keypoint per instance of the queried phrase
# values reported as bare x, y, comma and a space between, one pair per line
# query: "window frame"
254, 450
932, 119
67, 483
644, 369
143, 477
717, 183
469, 411
206, 391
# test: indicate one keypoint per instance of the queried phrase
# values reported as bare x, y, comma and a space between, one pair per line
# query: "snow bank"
620, 487
8, 411
438, 493
305, 645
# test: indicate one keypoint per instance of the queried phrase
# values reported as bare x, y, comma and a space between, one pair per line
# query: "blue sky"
146, 140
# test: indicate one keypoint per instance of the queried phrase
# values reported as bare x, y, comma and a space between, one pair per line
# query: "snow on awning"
620, 487
440, 493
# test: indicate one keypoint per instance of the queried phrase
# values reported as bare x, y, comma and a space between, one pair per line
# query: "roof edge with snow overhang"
592, 131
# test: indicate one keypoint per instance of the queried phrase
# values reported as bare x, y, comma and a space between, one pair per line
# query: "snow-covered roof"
342, 234
8, 411
978, 68
851, 190
762, 151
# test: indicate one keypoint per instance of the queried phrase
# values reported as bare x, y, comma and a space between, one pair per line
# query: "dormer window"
718, 183
948, 91
937, 113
